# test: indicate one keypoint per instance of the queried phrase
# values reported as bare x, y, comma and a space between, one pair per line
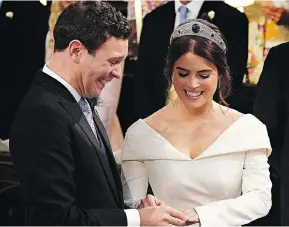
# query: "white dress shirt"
49, 72
194, 8
132, 215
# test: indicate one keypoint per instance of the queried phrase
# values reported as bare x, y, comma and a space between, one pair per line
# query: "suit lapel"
206, 8
101, 131
109, 153
75, 112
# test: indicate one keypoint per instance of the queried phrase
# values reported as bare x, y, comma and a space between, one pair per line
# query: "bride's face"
195, 80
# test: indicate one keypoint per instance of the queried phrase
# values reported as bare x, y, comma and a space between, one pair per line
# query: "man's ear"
76, 50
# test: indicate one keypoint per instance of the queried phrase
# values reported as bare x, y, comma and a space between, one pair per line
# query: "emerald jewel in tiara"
194, 27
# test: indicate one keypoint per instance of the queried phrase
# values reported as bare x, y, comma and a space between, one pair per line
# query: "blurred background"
24, 27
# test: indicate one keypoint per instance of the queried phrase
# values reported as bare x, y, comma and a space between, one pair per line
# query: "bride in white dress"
198, 155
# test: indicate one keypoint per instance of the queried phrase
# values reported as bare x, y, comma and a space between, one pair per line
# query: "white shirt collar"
49, 72
194, 8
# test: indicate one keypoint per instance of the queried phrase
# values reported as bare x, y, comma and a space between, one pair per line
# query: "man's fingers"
176, 221
177, 214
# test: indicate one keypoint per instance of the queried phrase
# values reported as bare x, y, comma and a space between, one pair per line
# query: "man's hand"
161, 216
151, 200
192, 217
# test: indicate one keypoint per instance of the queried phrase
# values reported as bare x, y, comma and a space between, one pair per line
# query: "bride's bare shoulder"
235, 114
157, 117
230, 113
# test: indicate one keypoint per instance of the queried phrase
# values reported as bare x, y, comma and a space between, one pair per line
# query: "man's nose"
117, 72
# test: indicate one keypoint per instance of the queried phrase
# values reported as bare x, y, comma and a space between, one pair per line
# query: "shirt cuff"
133, 218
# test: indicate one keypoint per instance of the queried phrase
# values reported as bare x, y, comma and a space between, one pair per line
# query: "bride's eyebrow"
205, 71
183, 69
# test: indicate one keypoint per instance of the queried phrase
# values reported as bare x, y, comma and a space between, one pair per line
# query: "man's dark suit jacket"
66, 177
272, 108
151, 84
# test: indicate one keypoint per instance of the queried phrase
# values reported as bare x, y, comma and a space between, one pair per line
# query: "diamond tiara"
194, 27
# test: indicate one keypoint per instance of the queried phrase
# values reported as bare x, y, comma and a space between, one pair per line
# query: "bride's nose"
194, 82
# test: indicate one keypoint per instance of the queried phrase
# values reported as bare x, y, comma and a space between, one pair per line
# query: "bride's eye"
183, 74
205, 76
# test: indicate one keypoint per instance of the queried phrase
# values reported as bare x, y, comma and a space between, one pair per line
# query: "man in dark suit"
68, 175
150, 82
272, 108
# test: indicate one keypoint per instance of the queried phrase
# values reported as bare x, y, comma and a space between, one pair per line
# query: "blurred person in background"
23, 27
279, 15
272, 108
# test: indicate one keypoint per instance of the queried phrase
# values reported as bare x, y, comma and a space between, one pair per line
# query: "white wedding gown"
228, 184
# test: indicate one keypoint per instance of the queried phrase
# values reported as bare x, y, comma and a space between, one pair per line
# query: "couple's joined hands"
154, 212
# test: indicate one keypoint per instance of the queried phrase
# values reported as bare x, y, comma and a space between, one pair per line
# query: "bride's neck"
194, 113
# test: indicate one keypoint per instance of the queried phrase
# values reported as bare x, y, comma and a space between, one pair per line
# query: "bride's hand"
151, 200
192, 217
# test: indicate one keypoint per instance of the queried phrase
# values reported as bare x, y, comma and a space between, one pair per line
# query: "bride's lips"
194, 96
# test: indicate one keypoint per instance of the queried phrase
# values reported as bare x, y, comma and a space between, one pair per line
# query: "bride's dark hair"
204, 48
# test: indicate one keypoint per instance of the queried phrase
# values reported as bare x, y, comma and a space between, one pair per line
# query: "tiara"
194, 27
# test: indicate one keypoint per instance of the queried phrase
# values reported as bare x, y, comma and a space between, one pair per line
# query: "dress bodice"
217, 174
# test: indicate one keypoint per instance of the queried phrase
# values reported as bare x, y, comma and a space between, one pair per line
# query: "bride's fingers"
160, 203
